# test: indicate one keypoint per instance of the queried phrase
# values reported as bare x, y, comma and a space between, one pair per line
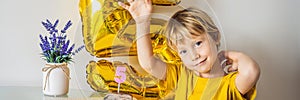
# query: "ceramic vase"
56, 79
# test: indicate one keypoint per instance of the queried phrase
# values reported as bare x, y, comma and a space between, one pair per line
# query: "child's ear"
216, 37
218, 43
219, 38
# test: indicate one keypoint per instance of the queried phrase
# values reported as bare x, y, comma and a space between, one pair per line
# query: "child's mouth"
201, 63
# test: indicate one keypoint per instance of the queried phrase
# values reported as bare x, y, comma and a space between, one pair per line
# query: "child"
196, 38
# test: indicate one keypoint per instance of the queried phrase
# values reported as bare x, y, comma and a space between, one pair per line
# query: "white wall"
268, 30
20, 25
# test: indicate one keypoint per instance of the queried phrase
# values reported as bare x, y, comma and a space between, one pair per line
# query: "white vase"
56, 79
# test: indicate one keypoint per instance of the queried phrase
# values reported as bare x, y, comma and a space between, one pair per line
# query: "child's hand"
237, 59
140, 10
248, 70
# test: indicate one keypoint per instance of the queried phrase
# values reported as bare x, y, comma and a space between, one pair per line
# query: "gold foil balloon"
165, 2
101, 78
101, 26
109, 32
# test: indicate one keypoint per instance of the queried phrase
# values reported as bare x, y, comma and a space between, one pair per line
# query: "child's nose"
194, 55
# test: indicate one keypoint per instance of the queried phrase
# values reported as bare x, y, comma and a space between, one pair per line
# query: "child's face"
198, 53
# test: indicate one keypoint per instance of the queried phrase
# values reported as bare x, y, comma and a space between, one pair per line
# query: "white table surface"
35, 93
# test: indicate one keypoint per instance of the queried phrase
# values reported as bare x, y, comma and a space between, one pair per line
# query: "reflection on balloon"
101, 74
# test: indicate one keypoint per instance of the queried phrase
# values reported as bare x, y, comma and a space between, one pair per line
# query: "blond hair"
190, 22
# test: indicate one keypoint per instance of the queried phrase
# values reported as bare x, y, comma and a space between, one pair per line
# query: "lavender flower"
56, 49
78, 50
66, 27
70, 49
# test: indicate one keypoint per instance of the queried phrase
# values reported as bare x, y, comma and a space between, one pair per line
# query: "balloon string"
118, 87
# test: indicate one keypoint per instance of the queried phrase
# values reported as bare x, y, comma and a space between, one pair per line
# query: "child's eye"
182, 52
197, 44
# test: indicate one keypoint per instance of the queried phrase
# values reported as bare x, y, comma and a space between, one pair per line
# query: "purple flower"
55, 24
66, 27
78, 50
65, 47
71, 48
53, 41
41, 37
56, 49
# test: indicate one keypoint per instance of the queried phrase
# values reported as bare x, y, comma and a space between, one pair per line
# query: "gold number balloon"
101, 78
110, 33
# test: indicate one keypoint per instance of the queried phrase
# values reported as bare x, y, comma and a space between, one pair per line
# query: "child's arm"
140, 10
248, 70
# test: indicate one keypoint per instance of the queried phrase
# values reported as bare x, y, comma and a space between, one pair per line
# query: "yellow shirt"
189, 86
